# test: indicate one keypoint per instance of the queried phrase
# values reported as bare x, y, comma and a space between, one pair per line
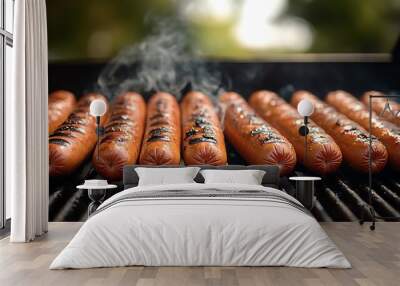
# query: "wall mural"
164, 107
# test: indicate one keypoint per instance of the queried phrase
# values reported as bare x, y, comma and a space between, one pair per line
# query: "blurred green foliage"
100, 28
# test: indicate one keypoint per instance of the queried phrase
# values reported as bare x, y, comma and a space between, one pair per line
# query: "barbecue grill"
340, 197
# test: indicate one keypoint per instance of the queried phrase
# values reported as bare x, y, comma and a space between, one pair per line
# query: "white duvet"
188, 231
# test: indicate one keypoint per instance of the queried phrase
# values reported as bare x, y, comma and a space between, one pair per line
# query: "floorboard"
375, 257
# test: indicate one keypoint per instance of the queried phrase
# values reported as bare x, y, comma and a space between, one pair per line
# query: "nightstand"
96, 194
305, 189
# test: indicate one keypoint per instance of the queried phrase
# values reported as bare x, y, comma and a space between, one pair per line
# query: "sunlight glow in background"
257, 24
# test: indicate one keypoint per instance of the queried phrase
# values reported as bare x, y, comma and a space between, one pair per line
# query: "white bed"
201, 224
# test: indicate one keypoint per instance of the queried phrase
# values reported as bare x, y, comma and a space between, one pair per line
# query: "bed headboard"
270, 179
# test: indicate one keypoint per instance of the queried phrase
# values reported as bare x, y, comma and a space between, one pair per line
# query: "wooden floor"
375, 257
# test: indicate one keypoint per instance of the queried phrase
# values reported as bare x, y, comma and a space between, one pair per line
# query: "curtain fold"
26, 124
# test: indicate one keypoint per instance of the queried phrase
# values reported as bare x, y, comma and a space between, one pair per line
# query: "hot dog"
323, 154
203, 138
162, 139
61, 104
350, 136
122, 138
256, 141
72, 142
387, 109
386, 132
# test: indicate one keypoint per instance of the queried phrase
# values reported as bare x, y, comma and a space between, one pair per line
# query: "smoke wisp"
164, 61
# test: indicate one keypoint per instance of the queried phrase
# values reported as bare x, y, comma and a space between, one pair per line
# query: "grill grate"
341, 197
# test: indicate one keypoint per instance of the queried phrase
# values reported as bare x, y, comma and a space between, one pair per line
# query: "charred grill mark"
126, 124
201, 121
202, 139
77, 120
266, 135
158, 138
71, 128
360, 134
159, 131
191, 132
62, 134
260, 130
271, 138
158, 134
118, 128
201, 124
59, 141
116, 139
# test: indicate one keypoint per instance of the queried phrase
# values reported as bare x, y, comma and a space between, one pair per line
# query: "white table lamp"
305, 109
97, 109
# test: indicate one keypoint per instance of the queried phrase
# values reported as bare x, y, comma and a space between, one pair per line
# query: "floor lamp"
370, 206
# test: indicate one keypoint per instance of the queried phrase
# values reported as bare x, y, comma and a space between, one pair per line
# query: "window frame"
6, 39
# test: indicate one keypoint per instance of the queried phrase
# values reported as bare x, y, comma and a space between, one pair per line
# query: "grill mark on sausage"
59, 141
192, 131
266, 135
352, 129
78, 120
202, 139
118, 139
160, 130
201, 121
125, 124
63, 134
71, 128
118, 128
158, 138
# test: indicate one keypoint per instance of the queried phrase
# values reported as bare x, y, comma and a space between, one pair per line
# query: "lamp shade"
98, 107
305, 107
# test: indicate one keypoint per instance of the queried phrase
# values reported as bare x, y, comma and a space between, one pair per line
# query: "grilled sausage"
72, 142
387, 109
323, 154
161, 143
386, 132
255, 140
122, 138
203, 138
350, 136
61, 104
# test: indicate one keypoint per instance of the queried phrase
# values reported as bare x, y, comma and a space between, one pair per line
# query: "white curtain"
26, 124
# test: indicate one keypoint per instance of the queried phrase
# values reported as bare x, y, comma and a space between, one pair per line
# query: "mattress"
201, 225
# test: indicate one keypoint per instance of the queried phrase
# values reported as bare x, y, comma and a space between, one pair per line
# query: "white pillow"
248, 177
163, 176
